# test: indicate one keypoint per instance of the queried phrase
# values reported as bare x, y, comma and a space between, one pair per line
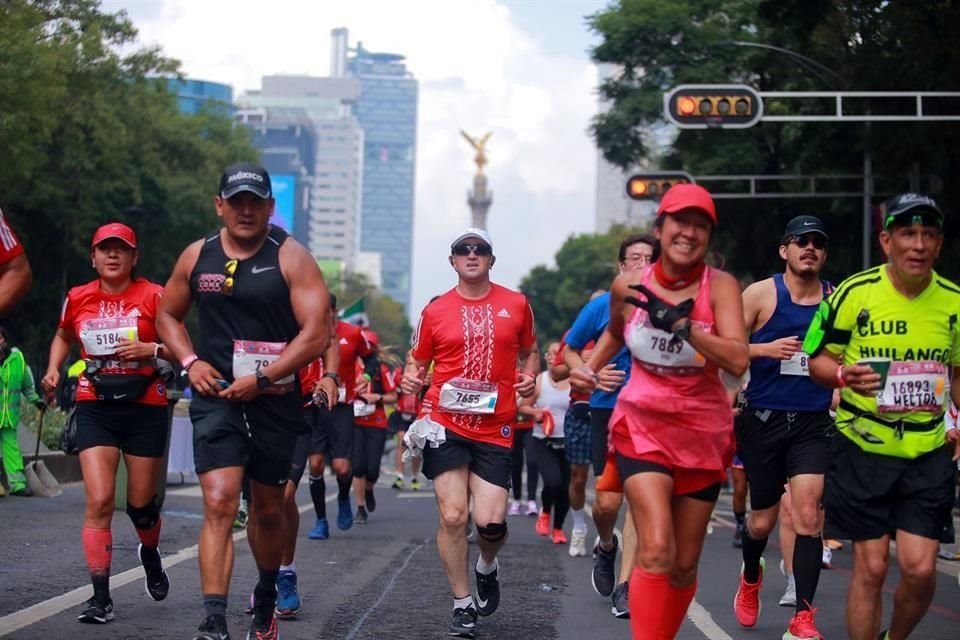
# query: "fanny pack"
116, 387
898, 426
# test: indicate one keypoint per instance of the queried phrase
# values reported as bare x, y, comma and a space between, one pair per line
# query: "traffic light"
652, 186
702, 106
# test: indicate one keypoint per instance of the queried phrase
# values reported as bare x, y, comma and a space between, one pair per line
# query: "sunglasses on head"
817, 240
229, 270
477, 249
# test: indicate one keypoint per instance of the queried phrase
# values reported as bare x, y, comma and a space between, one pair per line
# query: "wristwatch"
262, 380
332, 376
683, 331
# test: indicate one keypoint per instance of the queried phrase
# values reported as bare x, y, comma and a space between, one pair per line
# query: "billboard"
285, 195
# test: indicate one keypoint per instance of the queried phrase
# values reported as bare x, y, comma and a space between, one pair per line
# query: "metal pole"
867, 206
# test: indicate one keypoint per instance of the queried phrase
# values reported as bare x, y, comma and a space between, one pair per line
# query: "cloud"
478, 71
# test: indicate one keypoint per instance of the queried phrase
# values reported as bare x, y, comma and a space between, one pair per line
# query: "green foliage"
387, 316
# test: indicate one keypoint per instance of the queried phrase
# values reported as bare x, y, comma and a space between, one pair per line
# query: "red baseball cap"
371, 337
115, 230
687, 196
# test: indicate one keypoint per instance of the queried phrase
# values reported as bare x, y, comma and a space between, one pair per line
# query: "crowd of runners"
824, 404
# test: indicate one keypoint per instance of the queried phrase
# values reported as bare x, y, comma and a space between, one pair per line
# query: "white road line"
359, 624
42, 610
703, 621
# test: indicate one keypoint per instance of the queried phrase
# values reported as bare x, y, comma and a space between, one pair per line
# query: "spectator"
16, 383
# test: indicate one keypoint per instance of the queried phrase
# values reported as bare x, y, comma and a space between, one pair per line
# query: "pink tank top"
675, 402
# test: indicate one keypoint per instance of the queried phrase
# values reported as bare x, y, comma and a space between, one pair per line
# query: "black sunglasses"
817, 240
478, 249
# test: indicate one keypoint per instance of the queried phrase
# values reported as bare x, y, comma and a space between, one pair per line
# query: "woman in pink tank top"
671, 433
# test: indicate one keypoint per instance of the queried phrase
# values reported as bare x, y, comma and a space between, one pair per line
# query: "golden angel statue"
480, 145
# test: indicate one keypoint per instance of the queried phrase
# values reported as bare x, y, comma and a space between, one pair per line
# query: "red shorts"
685, 481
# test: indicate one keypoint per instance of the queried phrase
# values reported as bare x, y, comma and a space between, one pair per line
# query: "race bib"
797, 365
102, 336
362, 409
658, 350
462, 395
249, 356
913, 386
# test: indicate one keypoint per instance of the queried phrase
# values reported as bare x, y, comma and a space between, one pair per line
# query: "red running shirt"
352, 346
378, 418
87, 307
10, 246
479, 340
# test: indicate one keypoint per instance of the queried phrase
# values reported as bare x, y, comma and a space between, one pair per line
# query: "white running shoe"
578, 544
789, 597
826, 561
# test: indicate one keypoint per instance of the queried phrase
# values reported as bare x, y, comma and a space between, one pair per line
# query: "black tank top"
258, 309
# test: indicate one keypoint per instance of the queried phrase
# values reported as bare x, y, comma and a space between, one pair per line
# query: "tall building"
331, 231
195, 95
387, 111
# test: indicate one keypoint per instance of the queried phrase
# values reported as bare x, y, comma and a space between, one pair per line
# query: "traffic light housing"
652, 185
702, 106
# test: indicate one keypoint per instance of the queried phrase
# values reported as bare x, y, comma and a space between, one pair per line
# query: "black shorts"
136, 429
599, 424
868, 496
487, 461
777, 445
333, 432
368, 446
259, 436
397, 422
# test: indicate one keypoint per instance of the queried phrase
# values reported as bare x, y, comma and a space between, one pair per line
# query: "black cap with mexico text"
245, 176
908, 208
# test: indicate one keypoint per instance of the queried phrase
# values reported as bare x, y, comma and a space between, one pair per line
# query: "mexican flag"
355, 314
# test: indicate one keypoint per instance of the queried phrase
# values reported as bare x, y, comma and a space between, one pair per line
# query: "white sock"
579, 522
289, 567
487, 569
463, 603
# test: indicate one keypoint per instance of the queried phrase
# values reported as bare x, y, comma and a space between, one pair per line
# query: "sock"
343, 487
463, 603
150, 537
649, 596
579, 522
806, 569
676, 610
752, 551
318, 493
608, 545
98, 550
289, 567
214, 604
101, 587
266, 589
486, 568
740, 517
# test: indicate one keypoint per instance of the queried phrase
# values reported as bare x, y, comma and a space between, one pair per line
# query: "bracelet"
841, 383
188, 361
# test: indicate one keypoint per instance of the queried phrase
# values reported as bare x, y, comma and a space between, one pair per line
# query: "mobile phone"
223, 384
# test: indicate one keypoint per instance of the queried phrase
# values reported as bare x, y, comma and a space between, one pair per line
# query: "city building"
195, 95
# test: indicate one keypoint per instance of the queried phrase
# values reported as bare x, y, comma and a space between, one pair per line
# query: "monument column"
479, 198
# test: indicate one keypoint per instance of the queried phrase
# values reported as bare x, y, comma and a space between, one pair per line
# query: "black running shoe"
464, 623
603, 577
371, 501
213, 628
361, 517
488, 592
96, 612
264, 624
621, 601
156, 583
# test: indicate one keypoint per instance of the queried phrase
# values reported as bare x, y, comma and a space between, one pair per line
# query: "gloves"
663, 315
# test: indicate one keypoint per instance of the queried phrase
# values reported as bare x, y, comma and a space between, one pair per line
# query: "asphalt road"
380, 580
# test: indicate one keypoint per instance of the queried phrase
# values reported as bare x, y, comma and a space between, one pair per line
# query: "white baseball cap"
473, 232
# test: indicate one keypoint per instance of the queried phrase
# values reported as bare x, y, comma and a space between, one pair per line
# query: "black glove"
663, 315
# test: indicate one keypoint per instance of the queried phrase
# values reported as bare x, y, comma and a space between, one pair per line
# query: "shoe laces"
803, 623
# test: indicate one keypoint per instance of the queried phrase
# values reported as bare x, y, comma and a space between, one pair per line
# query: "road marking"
703, 621
359, 624
42, 610
418, 494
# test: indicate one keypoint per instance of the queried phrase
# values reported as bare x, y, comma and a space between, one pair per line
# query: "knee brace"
144, 517
493, 532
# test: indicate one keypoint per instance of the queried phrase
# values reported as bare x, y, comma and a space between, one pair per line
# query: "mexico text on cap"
245, 176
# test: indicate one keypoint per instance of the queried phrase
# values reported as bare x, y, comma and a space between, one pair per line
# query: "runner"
15, 274
672, 428
782, 433
263, 315
121, 407
520, 450
370, 422
475, 334
16, 385
636, 252
894, 330
408, 408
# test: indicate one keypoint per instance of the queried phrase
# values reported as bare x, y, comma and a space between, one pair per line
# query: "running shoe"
370, 499
344, 513
415, 485
514, 508
578, 544
532, 509
603, 577
320, 531
884, 635
803, 627
264, 625
738, 536
746, 604
155, 582
621, 601
543, 524
826, 560
789, 597
240, 521
213, 628
96, 612
249, 608
288, 599
488, 592
558, 537
361, 517
398, 484
464, 623
833, 544
22, 492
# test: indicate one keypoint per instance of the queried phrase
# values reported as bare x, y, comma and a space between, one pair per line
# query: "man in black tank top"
263, 315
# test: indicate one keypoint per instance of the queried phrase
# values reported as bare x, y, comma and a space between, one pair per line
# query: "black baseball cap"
804, 224
245, 176
921, 208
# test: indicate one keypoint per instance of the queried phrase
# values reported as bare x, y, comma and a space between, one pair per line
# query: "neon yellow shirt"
866, 318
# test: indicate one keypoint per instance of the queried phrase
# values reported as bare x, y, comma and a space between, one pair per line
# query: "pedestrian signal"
702, 106
652, 186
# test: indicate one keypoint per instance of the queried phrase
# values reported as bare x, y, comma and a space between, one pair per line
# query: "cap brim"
110, 237
467, 237
920, 209
258, 191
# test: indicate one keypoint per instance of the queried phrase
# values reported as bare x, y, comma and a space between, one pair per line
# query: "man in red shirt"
475, 335
15, 274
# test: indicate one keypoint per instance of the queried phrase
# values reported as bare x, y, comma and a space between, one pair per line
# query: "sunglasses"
229, 270
817, 240
476, 249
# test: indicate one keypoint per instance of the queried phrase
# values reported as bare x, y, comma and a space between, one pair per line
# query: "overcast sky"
519, 68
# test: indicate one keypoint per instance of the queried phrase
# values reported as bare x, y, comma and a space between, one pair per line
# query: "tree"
386, 315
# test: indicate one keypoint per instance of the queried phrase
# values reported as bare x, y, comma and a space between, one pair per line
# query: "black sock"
740, 517
318, 493
266, 589
343, 487
807, 554
752, 552
101, 587
214, 605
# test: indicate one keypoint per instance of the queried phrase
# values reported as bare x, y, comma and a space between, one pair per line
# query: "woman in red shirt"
121, 407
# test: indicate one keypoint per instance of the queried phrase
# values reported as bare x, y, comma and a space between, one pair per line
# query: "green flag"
355, 314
